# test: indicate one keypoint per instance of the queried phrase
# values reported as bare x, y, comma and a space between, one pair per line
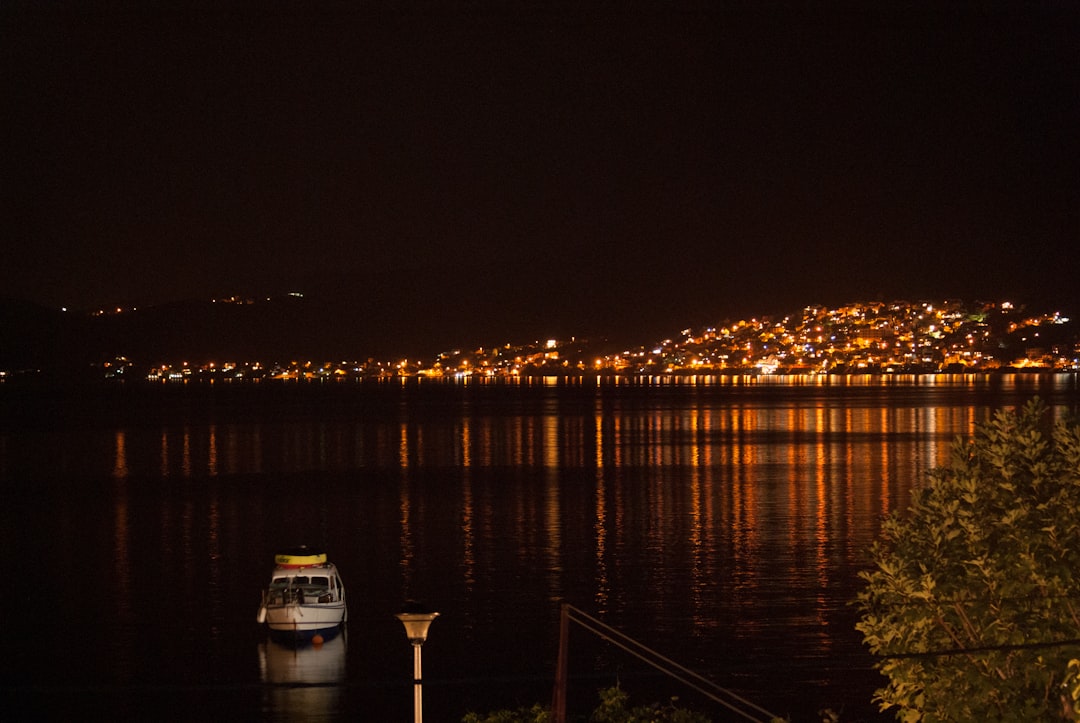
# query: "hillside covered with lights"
238, 338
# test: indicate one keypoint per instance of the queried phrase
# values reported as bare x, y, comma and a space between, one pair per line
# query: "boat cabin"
317, 584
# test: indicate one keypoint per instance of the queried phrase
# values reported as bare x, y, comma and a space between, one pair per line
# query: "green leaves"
614, 707
979, 573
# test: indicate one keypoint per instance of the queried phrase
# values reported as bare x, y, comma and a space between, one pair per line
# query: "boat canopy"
300, 557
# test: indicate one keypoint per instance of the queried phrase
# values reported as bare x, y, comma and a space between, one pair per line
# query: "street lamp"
416, 621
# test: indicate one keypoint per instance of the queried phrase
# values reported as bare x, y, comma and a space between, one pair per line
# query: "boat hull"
295, 623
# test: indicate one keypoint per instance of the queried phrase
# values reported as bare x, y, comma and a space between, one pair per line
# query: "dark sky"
539, 168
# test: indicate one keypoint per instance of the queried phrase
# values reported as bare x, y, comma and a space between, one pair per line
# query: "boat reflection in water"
303, 683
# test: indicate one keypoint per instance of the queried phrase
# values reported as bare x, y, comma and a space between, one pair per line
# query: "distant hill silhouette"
413, 311
34, 337
393, 316
385, 317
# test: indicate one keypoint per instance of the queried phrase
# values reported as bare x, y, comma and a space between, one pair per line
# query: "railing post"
558, 696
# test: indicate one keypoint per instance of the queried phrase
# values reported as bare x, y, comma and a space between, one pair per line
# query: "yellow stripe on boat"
287, 560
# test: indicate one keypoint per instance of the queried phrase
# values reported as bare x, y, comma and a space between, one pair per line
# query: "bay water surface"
721, 522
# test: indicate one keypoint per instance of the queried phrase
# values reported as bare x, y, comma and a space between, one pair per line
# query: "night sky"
532, 168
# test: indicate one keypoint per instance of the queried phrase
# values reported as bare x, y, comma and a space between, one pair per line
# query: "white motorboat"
305, 601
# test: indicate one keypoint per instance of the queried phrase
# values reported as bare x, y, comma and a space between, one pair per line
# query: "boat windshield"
310, 585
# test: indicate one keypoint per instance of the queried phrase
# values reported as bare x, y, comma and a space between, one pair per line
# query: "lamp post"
416, 622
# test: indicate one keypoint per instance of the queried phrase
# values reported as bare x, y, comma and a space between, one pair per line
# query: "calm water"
721, 523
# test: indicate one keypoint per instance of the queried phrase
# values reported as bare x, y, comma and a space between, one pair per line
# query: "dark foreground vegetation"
614, 707
973, 604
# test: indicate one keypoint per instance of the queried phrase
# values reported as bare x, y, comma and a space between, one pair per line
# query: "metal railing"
737, 704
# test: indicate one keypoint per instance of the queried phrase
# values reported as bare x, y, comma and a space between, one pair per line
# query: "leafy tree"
535, 714
614, 708
1071, 696
974, 600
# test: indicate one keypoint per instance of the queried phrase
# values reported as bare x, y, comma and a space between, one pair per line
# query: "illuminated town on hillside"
860, 338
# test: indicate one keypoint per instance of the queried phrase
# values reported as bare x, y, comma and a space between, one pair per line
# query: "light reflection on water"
658, 438
721, 523
303, 683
